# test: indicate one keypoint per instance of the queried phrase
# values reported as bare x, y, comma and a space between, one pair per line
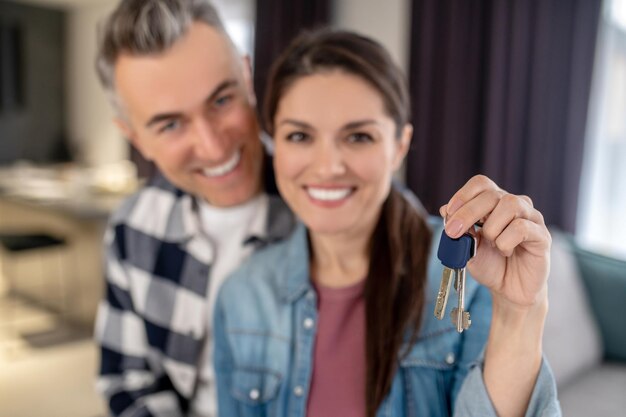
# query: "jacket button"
308, 323
298, 391
254, 394
450, 358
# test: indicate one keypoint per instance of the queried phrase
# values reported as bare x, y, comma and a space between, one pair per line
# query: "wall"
238, 17
31, 130
386, 21
89, 116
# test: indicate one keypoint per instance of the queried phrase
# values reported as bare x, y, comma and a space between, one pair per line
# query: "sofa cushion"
597, 392
572, 341
605, 280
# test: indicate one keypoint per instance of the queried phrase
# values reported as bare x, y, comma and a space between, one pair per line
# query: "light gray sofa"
585, 333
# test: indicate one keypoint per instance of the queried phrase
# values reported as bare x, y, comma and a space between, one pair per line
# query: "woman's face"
335, 152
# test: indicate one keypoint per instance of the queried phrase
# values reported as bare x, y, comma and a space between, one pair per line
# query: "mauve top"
338, 380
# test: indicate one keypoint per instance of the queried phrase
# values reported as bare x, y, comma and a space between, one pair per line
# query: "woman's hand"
513, 254
512, 260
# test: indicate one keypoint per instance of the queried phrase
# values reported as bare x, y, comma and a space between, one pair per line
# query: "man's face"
191, 111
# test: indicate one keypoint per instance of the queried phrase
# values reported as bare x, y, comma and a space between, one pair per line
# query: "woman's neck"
339, 260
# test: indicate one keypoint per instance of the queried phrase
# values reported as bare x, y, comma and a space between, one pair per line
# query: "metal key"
454, 254
444, 291
460, 317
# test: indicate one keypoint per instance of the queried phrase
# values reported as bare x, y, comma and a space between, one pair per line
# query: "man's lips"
224, 168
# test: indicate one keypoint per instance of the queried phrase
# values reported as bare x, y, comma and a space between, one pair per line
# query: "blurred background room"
531, 93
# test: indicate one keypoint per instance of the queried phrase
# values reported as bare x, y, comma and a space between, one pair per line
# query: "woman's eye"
360, 137
223, 100
297, 137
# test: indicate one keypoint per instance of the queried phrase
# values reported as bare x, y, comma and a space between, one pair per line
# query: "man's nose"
210, 144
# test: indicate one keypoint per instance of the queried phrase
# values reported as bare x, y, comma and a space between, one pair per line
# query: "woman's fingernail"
454, 228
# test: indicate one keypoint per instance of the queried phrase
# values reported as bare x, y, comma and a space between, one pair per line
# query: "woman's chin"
326, 226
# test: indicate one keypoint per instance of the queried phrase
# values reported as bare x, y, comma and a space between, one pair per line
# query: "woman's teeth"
325, 194
225, 168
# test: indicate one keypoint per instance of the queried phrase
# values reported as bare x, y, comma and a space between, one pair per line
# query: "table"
65, 203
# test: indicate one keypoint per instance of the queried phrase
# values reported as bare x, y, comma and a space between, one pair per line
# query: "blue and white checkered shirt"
151, 325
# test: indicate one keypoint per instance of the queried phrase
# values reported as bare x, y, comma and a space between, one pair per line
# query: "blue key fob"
454, 253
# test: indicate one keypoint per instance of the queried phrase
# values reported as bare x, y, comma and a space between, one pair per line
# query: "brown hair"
394, 287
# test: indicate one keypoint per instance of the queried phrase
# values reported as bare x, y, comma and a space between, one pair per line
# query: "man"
184, 99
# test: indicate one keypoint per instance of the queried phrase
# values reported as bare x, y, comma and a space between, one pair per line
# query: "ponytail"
394, 291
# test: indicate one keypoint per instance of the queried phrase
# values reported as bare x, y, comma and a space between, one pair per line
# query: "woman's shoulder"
268, 270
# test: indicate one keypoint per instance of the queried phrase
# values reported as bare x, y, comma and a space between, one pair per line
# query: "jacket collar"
293, 278
184, 220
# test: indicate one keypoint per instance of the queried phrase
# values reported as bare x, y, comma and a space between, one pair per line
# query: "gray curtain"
277, 23
501, 88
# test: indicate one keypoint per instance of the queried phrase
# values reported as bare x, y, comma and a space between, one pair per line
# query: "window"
602, 214
238, 18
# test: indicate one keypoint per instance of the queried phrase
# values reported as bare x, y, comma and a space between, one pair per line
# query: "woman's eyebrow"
297, 123
359, 123
351, 125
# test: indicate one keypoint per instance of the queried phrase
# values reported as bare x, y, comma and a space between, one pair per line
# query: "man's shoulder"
150, 209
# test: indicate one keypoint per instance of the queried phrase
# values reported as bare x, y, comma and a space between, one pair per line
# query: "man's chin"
231, 197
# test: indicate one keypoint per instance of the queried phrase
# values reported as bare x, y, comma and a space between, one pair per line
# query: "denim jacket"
265, 326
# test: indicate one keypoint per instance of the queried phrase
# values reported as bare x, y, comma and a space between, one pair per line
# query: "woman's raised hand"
513, 253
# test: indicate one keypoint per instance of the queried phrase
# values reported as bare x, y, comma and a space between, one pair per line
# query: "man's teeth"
225, 168
325, 194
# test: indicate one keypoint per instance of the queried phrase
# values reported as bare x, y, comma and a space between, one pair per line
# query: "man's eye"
170, 126
297, 137
360, 137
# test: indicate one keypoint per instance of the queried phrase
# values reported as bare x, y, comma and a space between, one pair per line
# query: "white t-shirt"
227, 229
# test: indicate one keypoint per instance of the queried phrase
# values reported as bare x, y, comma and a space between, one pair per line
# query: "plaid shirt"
152, 324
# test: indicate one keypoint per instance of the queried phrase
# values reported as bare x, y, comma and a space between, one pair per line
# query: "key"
444, 291
460, 318
454, 254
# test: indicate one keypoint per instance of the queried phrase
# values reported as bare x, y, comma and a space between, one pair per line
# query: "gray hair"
143, 27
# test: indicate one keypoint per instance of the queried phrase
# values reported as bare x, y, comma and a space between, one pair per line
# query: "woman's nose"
329, 160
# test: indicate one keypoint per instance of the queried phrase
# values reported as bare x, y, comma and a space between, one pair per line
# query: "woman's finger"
533, 236
508, 208
475, 186
474, 210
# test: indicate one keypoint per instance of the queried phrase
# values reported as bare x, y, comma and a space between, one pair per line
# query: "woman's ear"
404, 143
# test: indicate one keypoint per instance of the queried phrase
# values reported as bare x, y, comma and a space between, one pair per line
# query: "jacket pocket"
436, 351
428, 371
255, 387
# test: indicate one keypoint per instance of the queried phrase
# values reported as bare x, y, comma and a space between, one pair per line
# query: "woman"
337, 319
